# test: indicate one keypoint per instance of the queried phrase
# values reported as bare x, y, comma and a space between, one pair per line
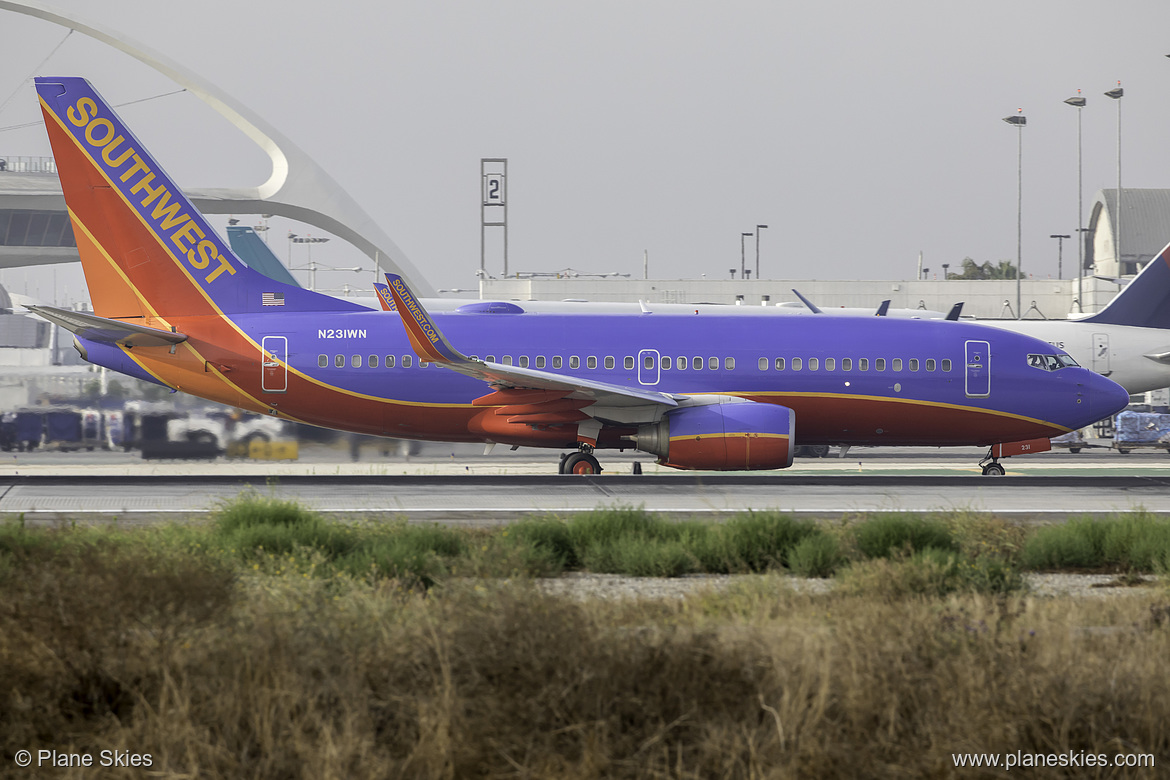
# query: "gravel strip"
617, 586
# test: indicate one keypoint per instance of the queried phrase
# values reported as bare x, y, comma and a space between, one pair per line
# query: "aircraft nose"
1105, 396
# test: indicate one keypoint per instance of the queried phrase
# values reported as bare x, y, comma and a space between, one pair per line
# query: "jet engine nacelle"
730, 434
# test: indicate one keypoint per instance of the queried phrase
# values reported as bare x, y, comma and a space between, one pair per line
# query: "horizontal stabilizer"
94, 328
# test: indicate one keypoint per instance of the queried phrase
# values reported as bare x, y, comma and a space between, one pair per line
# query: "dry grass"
224, 673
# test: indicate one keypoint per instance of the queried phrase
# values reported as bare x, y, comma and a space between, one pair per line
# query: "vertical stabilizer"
145, 249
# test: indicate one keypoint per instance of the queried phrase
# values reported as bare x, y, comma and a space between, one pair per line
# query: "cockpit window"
1051, 362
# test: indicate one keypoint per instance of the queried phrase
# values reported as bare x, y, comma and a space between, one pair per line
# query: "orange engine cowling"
729, 435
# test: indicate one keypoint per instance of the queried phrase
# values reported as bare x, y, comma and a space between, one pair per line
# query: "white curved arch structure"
298, 188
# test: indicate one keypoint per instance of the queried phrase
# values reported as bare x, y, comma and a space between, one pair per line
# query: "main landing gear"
581, 462
991, 466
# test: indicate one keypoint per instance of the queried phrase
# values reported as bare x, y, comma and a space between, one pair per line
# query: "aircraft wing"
95, 328
430, 345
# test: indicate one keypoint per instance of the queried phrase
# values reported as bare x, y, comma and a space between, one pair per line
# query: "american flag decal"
272, 299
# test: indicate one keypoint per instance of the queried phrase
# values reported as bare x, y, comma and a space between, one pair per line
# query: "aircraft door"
978, 380
1101, 353
648, 367
274, 364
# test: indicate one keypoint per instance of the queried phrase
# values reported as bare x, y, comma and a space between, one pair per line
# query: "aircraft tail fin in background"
250, 248
1145, 301
146, 251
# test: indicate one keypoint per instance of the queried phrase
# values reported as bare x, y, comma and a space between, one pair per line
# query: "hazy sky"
860, 132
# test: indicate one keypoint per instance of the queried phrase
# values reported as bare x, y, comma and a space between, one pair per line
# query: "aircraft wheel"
994, 470
580, 463
1075, 450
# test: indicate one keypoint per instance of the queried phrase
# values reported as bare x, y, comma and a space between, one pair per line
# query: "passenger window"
779, 364
355, 361
930, 364
489, 359
574, 361
649, 362
846, 364
913, 364
665, 363
697, 363
797, 364
896, 364
591, 362
680, 363
609, 362
729, 363
540, 361
372, 361
322, 361
506, 360
946, 364
556, 361
522, 361
423, 364
339, 361
830, 364
389, 361
814, 364
628, 362
879, 364
407, 361
763, 364
713, 363
863, 364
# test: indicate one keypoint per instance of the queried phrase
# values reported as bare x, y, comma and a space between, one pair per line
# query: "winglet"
384, 297
812, 307
429, 344
883, 308
955, 311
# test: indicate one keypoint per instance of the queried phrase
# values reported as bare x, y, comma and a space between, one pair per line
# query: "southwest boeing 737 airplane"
173, 305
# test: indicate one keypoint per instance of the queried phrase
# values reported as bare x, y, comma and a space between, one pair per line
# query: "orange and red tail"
145, 249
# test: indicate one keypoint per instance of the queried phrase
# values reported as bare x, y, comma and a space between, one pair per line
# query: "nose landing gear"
991, 465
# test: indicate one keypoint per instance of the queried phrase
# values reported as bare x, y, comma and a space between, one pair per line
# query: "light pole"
293, 238
1078, 103
1116, 94
1059, 253
758, 229
742, 256
946, 267
1019, 120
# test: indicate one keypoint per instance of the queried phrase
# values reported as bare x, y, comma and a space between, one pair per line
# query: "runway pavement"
458, 488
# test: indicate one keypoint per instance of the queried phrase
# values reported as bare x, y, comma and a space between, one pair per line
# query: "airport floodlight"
1019, 120
1060, 237
742, 258
1078, 102
758, 229
1116, 94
